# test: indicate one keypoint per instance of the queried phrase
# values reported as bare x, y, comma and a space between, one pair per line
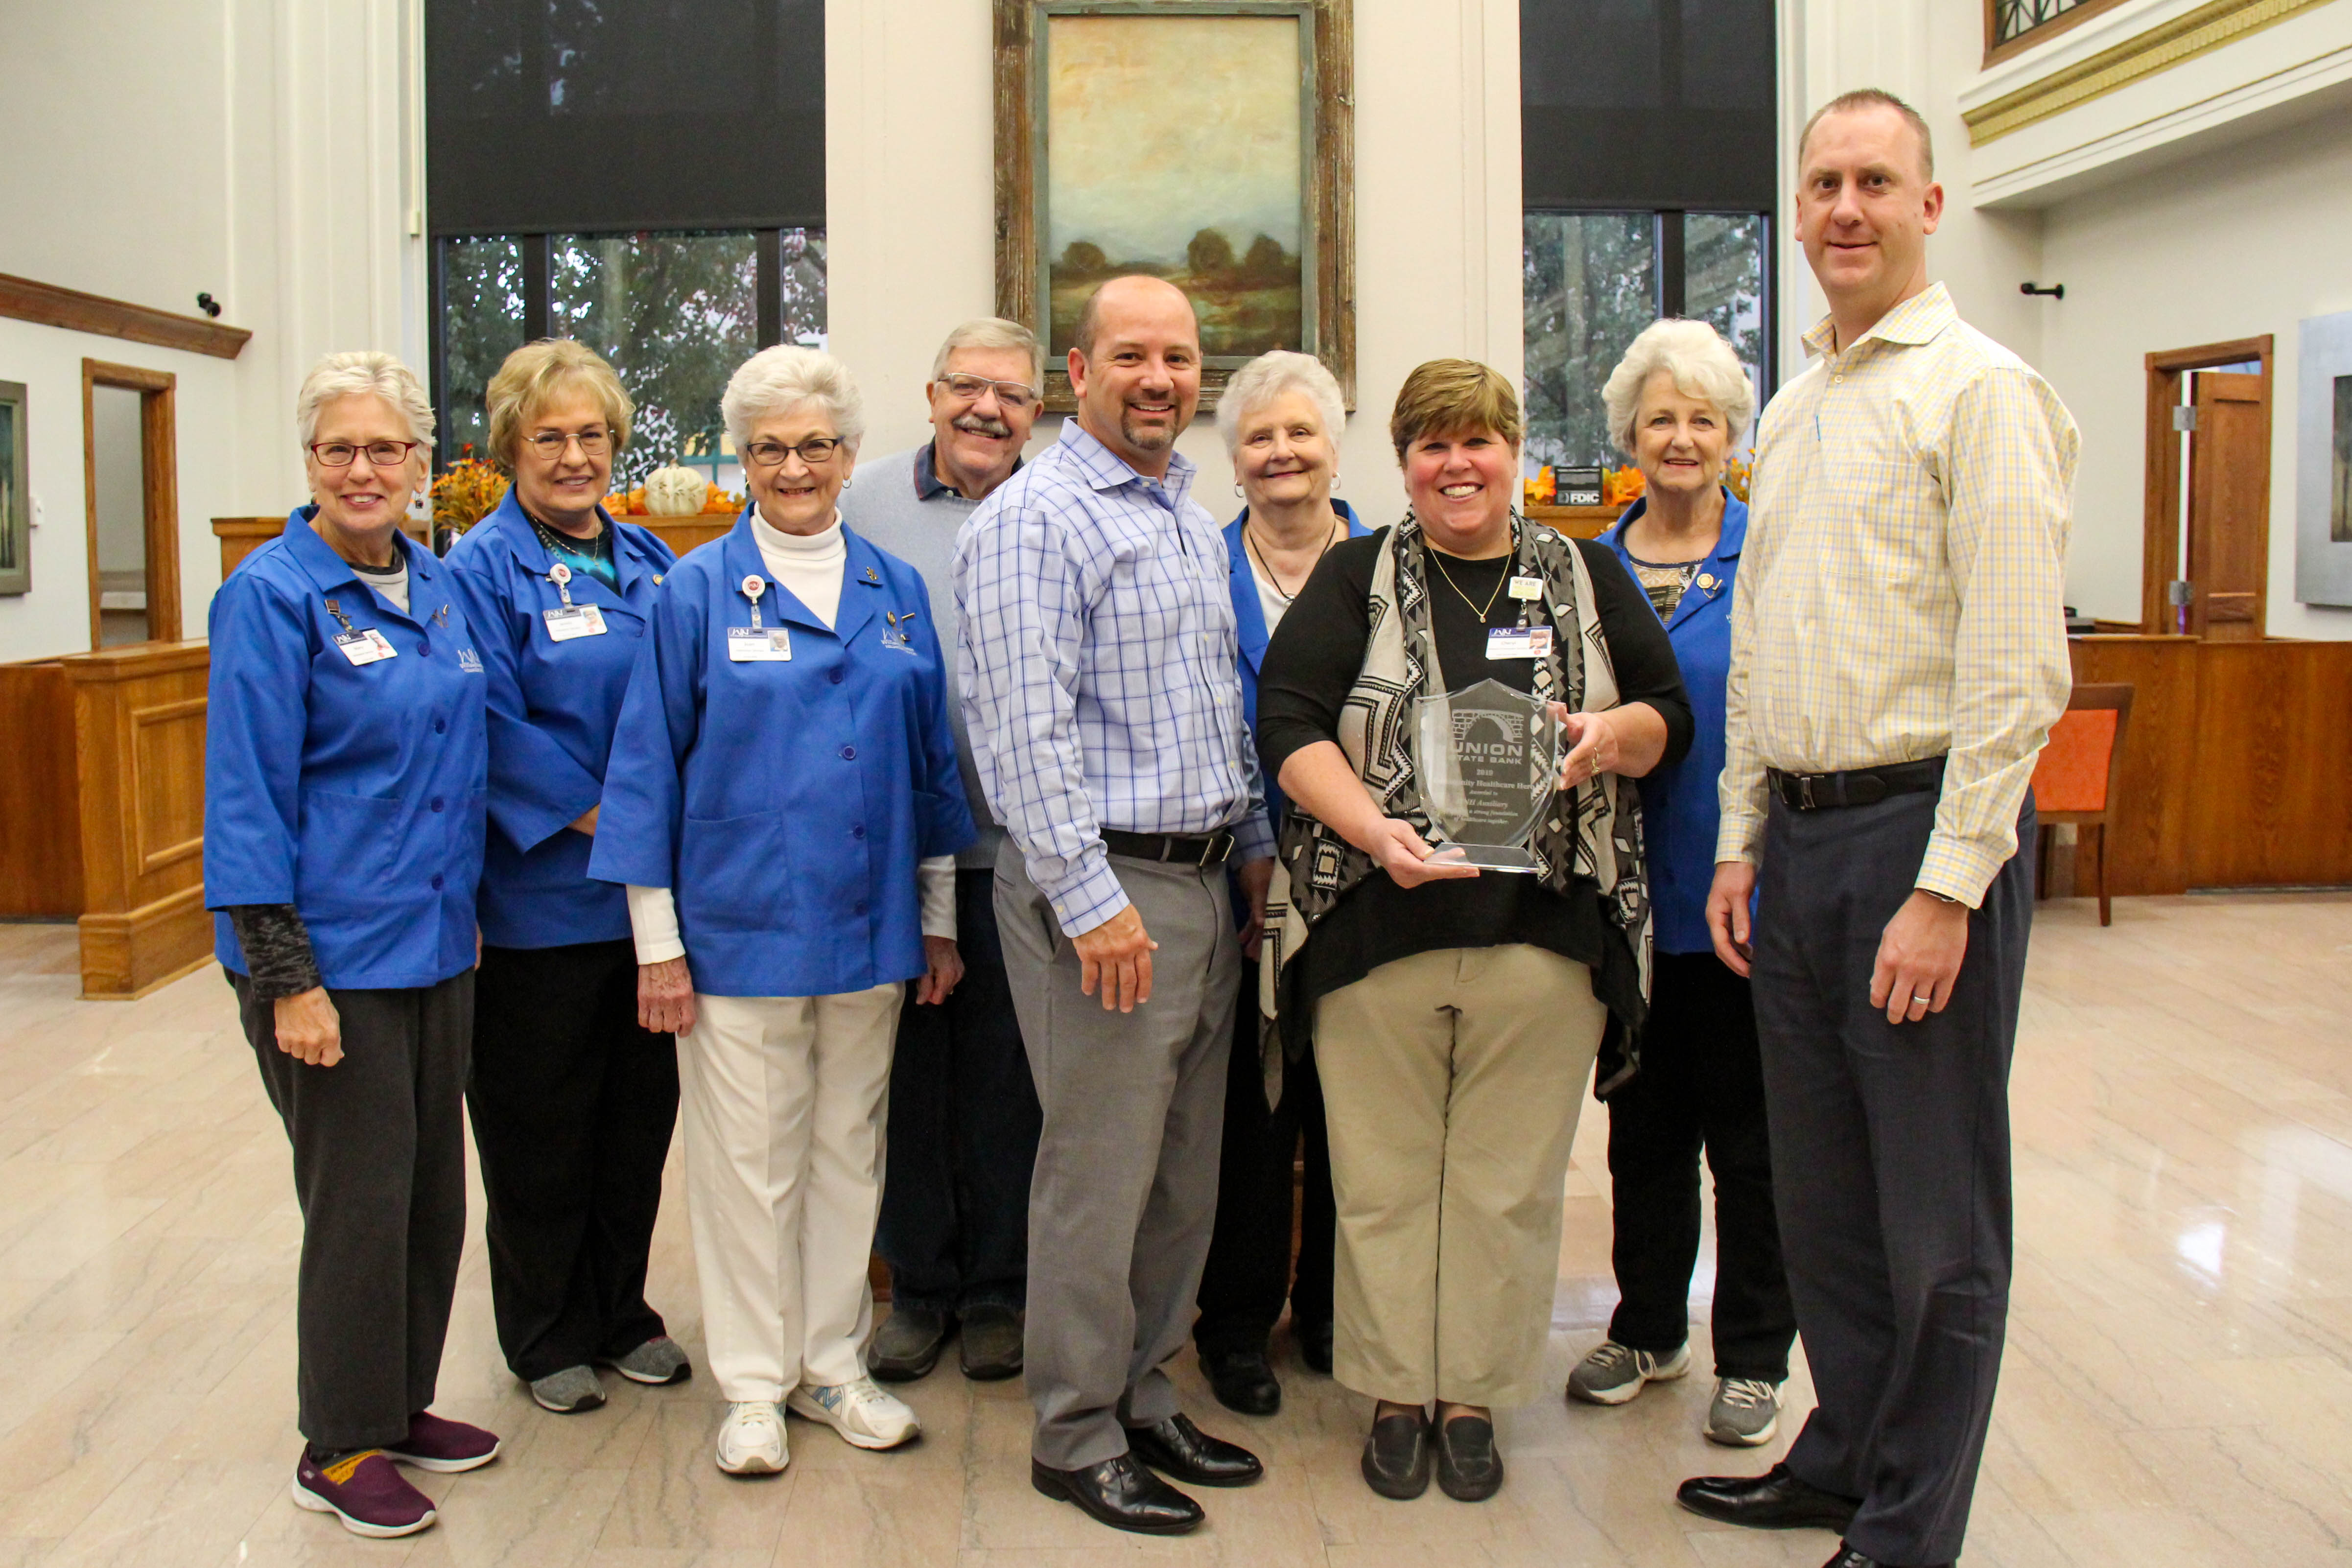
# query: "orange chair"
2080, 774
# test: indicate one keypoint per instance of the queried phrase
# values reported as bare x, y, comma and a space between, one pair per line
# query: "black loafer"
1468, 1468
1315, 1347
1396, 1456
1243, 1380
1177, 1448
1122, 1494
992, 1344
1777, 1500
906, 1345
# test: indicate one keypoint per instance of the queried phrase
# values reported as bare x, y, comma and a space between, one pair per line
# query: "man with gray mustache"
963, 1112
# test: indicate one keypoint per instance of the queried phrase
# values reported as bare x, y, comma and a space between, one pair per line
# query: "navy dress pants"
1891, 1166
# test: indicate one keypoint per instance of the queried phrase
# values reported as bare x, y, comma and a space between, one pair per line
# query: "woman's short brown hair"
536, 375
1453, 397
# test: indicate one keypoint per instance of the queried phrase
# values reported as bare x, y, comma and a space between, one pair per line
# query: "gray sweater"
882, 507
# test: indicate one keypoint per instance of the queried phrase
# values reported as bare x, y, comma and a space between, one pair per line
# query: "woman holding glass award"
1415, 706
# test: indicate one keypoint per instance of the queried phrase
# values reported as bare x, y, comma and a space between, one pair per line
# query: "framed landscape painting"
1206, 141
16, 498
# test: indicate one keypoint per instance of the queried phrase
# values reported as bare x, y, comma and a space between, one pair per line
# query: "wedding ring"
1923, 1001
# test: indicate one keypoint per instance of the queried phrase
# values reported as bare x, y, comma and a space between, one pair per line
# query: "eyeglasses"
1013, 395
817, 452
551, 443
382, 453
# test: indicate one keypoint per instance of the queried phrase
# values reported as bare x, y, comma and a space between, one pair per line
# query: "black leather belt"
1170, 849
1855, 787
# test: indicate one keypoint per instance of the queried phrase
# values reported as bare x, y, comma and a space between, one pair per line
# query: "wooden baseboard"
125, 956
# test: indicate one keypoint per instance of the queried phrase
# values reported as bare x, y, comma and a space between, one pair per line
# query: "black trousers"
573, 1105
1701, 1087
1890, 1145
1248, 1275
963, 1129
379, 1144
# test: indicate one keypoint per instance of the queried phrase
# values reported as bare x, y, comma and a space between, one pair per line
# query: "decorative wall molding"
2158, 48
50, 306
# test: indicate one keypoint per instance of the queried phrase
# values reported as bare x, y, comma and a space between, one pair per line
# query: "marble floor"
2177, 1389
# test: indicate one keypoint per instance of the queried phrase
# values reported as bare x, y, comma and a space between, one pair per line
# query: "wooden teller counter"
2237, 773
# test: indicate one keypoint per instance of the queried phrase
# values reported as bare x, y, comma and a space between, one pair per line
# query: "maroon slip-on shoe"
442, 1446
366, 1492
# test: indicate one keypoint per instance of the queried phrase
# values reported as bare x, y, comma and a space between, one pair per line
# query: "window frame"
1998, 48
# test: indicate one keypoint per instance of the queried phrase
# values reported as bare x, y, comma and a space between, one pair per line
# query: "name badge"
1527, 587
365, 647
758, 644
578, 621
1519, 642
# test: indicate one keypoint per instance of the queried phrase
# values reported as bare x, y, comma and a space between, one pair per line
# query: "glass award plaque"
1488, 759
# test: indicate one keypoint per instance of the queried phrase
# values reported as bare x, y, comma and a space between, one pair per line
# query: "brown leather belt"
1170, 849
1855, 786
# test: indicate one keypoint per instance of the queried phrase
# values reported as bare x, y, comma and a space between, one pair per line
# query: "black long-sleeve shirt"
1311, 665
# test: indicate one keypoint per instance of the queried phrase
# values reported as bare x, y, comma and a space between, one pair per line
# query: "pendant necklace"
1249, 543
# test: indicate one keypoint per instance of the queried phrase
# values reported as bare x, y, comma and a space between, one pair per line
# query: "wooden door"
2229, 506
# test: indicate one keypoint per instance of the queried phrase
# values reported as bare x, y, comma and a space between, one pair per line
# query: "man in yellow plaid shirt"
1898, 656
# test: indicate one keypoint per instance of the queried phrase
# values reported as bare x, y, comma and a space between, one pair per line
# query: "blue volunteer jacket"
1680, 812
1249, 620
353, 792
787, 803
552, 707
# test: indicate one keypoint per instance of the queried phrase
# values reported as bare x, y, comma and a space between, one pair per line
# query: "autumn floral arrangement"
631, 503
468, 491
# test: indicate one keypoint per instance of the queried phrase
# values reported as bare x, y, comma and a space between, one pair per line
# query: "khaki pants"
1451, 1081
782, 1100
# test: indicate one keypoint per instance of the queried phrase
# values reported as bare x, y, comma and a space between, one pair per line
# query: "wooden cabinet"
2237, 767
40, 806
139, 754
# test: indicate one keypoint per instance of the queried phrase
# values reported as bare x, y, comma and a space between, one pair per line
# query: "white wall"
261, 150
911, 199
2231, 245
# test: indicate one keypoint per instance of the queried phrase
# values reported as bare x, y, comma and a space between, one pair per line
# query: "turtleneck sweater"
811, 566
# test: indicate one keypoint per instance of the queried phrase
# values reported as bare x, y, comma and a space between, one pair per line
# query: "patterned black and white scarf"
1594, 830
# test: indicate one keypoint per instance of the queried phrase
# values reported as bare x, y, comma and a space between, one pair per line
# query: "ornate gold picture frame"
1207, 141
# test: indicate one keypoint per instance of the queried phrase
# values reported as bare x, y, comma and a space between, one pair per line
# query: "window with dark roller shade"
646, 178
1648, 159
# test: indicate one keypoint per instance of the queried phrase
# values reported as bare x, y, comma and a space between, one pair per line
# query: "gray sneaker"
906, 1345
658, 1361
568, 1392
1615, 1372
1746, 1412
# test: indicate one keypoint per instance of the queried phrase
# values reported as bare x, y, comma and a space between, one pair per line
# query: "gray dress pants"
378, 1143
1125, 1193
1890, 1167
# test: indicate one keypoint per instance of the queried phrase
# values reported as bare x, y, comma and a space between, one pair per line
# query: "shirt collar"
928, 487
1109, 470
1921, 318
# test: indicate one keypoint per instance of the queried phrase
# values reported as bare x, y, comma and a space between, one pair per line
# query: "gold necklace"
1438, 557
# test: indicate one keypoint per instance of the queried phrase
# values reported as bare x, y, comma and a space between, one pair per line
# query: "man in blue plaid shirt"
1097, 655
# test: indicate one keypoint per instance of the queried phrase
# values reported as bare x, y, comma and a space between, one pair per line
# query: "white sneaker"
751, 1442
859, 1411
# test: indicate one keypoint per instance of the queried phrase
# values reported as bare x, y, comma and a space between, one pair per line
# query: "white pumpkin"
675, 492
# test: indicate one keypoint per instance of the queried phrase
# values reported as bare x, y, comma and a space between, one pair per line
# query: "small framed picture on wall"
16, 498
1209, 142
2322, 545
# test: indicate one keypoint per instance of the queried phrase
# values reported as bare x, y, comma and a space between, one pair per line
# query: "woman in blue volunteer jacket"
1675, 403
345, 782
1281, 415
783, 802
572, 1101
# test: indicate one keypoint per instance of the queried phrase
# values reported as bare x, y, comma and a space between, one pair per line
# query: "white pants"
782, 1100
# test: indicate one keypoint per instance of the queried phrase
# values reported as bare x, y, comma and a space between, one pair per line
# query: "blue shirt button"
834, 676
861, 906
436, 802
440, 727
857, 832
849, 754
425, 649
436, 882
